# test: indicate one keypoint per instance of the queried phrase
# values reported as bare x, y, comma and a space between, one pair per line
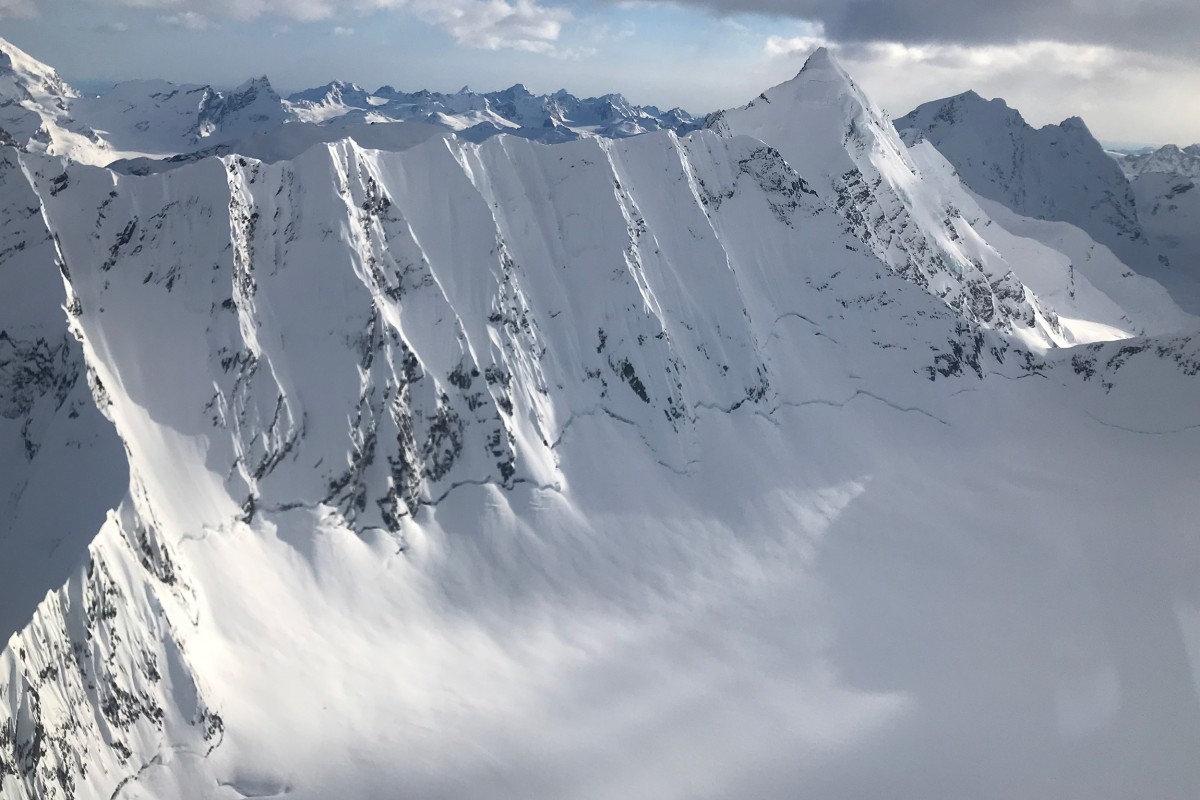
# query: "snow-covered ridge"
554, 117
36, 110
1056, 172
912, 211
1169, 159
152, 119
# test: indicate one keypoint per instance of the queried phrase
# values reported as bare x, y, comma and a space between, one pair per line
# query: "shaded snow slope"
1056, 172
61, 464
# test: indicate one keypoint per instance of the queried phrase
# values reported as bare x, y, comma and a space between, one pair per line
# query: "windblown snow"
762, 461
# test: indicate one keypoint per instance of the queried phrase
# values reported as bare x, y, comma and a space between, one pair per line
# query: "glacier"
760, 461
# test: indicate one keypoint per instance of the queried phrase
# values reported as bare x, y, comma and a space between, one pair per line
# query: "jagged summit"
918, 219
822, 60
1056, 172
16, 64
36, 108
821, 67
1169, 159
1076, 123
560, 116
153, 119
969, 104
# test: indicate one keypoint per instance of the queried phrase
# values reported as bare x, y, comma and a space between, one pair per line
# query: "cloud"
191, 20
1154, 26
810, 37
342, 31
488, 24
494, 24
1120, 93
17, 8
113, 27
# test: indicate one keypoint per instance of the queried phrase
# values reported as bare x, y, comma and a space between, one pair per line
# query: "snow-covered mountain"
154, 120
911, 210
36, 110
1169, 159
1164, 183
756, 462
1056, 172
550, 118
163, 119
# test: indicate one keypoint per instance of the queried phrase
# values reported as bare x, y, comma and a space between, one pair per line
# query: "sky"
1130, 69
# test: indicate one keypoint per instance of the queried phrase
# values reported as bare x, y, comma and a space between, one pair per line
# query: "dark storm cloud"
1163, 26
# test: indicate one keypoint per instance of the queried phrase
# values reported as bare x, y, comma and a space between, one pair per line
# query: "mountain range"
785, 452
156, 119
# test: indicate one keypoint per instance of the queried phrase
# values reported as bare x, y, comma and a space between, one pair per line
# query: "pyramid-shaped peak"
821, 59
821, 76
260, 83
16, 62
823, 67
821, 121
1075, 124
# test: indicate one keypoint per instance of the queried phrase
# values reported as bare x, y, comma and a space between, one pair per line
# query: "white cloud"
808, 37
342, 31
17, 8
792, 45
113, 27
488, 24
493, 24
192, 20
1119, 93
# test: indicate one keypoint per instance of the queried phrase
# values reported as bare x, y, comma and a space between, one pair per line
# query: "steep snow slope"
36, 113
61, 465
1057, 172
919, 218
623, 445
1081, 280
